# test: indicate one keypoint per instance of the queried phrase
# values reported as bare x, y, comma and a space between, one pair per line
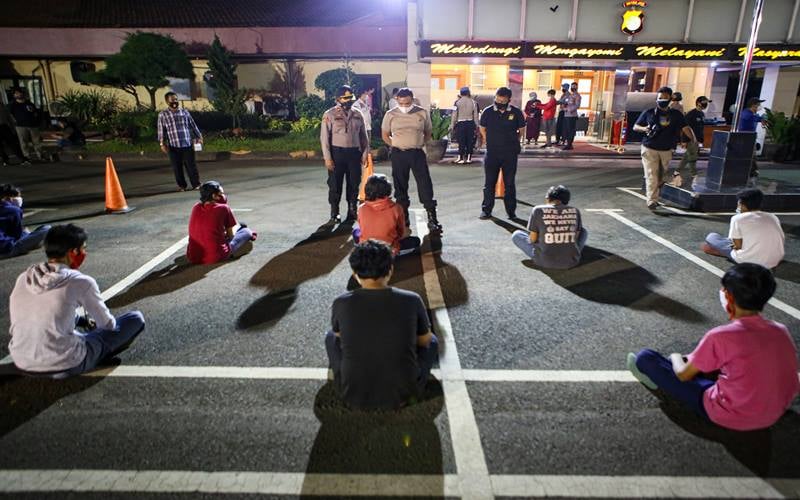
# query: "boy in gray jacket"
43, 308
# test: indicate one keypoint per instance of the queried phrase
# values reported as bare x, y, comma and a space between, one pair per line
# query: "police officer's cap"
345, 92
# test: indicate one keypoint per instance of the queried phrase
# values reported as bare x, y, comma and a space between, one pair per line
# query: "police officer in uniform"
502, 129
345, 147
406, 128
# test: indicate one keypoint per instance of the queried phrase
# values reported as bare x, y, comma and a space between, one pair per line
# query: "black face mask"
173, 105
663, 103
347, 104
703, 105
501, 105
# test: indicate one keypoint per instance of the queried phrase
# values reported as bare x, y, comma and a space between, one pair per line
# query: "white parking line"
377, 485
778, 304
473, 473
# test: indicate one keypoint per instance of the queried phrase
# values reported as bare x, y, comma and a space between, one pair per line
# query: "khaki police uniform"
343, 137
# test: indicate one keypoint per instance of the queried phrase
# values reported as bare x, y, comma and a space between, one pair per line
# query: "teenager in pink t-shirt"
379, 218
756, 360
211, 235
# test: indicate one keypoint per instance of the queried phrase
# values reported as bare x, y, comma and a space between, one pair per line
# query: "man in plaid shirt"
181, 135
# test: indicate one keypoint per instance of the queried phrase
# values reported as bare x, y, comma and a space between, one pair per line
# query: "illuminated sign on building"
554, 50
489, 49
633, 18
686, 52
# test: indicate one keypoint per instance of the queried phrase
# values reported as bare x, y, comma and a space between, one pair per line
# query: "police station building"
618, 52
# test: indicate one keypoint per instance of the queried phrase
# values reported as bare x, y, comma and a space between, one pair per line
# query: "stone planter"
434, 150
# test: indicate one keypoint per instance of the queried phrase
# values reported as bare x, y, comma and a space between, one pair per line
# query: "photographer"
662, 127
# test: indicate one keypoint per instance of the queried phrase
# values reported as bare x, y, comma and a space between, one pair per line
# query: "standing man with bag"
405, 129
182, 135
502, 126
345, 147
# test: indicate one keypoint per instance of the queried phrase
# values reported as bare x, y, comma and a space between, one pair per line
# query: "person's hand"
329, 165
364, 161
164, 148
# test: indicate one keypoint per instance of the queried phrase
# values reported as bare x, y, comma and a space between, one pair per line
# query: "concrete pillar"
768, 88
515, 80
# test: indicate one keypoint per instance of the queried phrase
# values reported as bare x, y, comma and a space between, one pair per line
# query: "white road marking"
634, 192
376, 485
778, 304
34, 211
603, 210
473, 473
241, 209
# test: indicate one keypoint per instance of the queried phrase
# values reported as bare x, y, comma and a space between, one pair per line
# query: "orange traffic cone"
500, 187
115, 199
368, 170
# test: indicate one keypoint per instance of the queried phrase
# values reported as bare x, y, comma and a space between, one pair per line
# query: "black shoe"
512, 215
433, 222
484, 215
567, 147
545, 146
335, 214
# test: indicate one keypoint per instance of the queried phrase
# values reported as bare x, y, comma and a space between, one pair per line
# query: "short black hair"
665, 90
208, 190
372, 259
560, 193
751, 198
751, 285
166, 96
551, 92
377, 187
503, 92
63, 238
405, 92
9, 191
394, 91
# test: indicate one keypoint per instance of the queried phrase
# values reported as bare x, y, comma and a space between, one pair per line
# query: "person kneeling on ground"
43, 310
756, 360
380, 218
15, 239
754, 236
381, 348
211, 236
557, 236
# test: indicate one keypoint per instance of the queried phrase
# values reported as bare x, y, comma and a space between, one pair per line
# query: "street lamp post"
748, 60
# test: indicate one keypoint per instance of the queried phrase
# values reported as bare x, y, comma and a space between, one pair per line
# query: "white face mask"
723, 300
405, 109
17, 200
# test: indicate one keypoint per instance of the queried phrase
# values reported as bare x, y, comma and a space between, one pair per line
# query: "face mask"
222, 199
723, 300
77, 259
405, 109
499, 105
173, 105
17, 200
662, 103
703, 105
738, 210
347, 104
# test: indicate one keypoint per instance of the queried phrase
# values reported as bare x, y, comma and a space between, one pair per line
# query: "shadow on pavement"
404, 442
179, 274
607, 278
770, 452
788, 270
311, 258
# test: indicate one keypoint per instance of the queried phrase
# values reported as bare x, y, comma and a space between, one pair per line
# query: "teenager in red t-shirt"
379, 218
211, 236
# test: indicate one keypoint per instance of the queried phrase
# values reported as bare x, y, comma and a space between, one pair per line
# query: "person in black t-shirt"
502, 127
380, 348
694, 119
661, 126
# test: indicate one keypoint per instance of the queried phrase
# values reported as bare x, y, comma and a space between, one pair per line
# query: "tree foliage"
227, 97
330, 81
290, 82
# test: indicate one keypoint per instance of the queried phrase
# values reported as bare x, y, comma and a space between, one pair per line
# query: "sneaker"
460, 161
652, 206
254, 237
641, 377
484, 215
181, 189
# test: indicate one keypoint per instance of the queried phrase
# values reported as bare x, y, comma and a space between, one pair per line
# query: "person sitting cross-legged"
16, 239
754, 236
211, 235
380, 348
756, 360
43, 309
380, 218
557, 235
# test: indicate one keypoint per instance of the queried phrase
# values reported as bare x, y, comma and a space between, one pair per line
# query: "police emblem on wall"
633, 18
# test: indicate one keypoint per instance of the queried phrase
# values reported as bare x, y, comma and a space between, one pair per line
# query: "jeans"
720, 243
105, 344
179, 157
523, 241
493, 163
549, 127
659, 369
240, 237
28, 241
426, 357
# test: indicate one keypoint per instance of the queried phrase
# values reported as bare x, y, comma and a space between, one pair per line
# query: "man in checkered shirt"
181, 135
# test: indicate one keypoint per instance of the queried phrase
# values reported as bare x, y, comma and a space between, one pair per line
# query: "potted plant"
436, 147
783, 133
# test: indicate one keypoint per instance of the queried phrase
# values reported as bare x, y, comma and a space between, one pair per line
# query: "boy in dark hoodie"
43, 308
15, 239
380, 218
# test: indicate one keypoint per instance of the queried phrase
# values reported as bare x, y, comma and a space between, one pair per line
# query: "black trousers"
9, 138
465, 135
346, 165
411, 161
560, 126
569, 129
180, 157
493, 163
